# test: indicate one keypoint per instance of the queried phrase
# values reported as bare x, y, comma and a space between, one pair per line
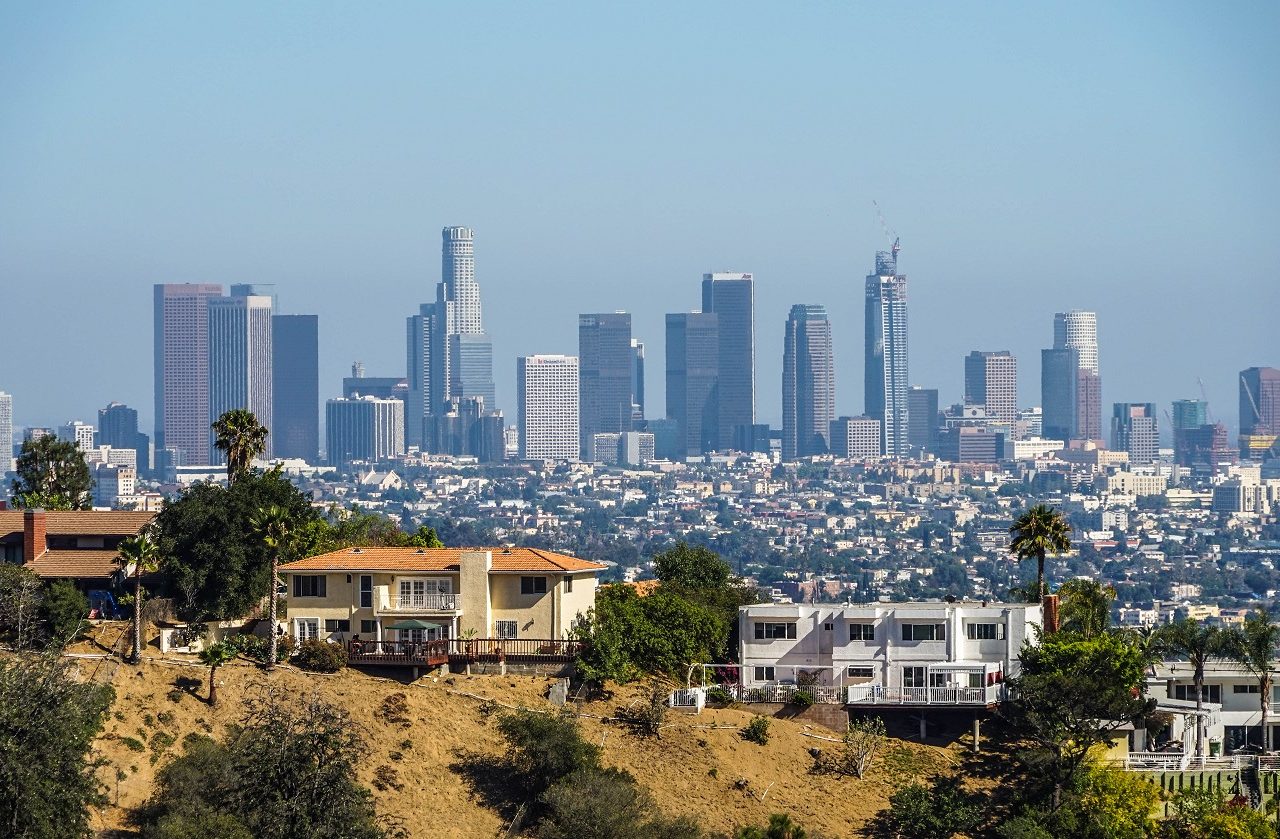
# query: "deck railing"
880, 695
494, 649
821, 694
397, 651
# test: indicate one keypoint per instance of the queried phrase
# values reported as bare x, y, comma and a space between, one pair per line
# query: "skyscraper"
295, 386
991, 380
1188, 416
731, 297
1079, 331
240, 361
1134, 430
364, 428
857, 438
82, 434
6, 435
693, 369
605, 376
885, 379
458, 287
547, 393
1260, 413
808, 383
425, 372
118, 428
637, 382
1058, 393
922, 419
181, 356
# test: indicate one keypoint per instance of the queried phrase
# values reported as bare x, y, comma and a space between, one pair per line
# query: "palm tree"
142, 553
1253, 645
216, 655
1039, 532
241, 438
1086, 607
274, 527
1198, 643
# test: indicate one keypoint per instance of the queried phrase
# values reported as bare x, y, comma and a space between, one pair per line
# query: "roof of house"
75, 564
439, 560
79, 522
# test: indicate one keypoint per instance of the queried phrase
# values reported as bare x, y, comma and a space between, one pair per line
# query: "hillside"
696, 768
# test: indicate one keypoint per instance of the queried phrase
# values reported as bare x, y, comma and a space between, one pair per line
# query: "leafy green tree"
780, 827
1199, 644
1254, 646
605, 804
48, 721
64, 610
274, 526
691, 567
213, 657
1201, 813
21, 602
1038, 532
240, 438
938, 811
543, 748
139, 555
1071, 695
1085, 607
52, 474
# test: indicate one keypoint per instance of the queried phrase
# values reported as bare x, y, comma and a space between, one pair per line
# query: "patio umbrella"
412, 624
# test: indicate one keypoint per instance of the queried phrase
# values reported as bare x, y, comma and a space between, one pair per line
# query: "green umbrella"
413, 624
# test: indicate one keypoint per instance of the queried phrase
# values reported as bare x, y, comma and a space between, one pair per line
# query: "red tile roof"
439, 559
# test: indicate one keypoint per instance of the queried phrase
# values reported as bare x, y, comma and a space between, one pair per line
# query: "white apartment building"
6, 433
80, 433
922, 653
547, 401
112, 480
1231, 700
1129, 483
857, 438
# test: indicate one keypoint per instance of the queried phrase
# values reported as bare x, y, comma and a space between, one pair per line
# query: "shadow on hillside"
491, 781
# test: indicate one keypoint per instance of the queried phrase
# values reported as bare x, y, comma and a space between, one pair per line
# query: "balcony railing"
398, 652
881, 695
417, 604
461, 650
821, 694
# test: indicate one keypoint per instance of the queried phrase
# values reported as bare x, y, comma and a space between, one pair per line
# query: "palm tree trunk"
137, 614
213, 686
1264, 686
1199, 683
1039, 578
273, 643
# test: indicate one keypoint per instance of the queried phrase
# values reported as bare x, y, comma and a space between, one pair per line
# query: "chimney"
1049, 605
34, 542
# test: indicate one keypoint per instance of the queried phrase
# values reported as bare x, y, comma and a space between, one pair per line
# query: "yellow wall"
533, 613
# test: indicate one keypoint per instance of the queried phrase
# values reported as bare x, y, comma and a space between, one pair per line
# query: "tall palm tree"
142, 554
1037, 533
1198, 643
1254, 646
241, 438
273, 526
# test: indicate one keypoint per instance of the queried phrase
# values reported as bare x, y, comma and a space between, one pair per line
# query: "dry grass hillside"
699, 767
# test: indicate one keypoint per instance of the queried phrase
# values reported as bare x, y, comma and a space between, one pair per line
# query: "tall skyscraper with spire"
885, 379
808, 383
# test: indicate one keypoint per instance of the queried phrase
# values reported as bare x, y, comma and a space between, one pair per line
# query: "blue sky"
1123, 158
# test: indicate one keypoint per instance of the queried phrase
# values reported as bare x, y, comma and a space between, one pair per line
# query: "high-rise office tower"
6, 436
922, 419
1260, 413
295, 386
181, 355
1058, 393
605, 373
1134, 430
885, 380
467, 429
637, 382
118, 428
1188, 415
471, 367
693, 369
547, 393
425, 371
458, 286
991, 380
240, 363
365, 429
808, 383
1078, 331
857, 438
731, 297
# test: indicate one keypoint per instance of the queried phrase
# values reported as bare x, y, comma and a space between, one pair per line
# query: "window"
332, 625
771, 631
924, 632
856, 672
764, 674
309, 585
368, 627
568, 585
862, 632
533, 585
1244, 689
1212, 693
937, 680
366, 591
913, 677
985, 631
305, 629
506, 629
827, 627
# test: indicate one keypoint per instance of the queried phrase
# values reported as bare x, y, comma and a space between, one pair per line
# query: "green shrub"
65, 609
801, 699
718, 695
133, 743
543, 748
320, 656
256, 647
756, 731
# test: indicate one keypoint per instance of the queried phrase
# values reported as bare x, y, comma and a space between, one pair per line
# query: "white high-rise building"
240, 370
1078, 331
6, 433
857, 438
80, 433
459, 288
885, 356
547, 393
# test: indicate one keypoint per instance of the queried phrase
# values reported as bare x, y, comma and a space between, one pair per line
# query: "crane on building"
1208, 414
888, 234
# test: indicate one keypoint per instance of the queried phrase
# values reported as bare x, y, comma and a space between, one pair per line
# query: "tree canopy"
240, 438
52, 474
1038, 532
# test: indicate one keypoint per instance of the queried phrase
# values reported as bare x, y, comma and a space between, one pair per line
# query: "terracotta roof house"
79, 545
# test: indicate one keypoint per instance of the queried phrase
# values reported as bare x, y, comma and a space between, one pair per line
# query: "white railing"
1268, 763
881, 695
1177, 761
1156, 761
419, 603
821, 694
695, 698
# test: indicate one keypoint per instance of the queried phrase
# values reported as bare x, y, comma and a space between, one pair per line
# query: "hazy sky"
1123, 158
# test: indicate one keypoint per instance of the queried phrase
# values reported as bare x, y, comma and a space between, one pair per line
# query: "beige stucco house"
497, 593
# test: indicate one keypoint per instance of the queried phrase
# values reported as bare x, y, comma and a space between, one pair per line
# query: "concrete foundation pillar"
977, 733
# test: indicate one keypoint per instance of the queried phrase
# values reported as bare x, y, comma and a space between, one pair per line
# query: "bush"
543, 748
65, 609
939, 811
719, 696
256, 647
780, 827
320, 656
802, 699
756, 731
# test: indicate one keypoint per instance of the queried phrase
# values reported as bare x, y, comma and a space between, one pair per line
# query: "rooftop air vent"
356, 550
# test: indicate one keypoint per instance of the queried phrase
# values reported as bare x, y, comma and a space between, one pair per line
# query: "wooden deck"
460, 651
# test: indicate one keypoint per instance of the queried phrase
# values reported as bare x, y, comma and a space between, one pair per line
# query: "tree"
140, 553
214, 656
273, 525
1085, 607
48, 721
21, 600
543, 748
938, 811
862, 739
693, 567
1038, 532
594, 804
64, 610
240, 438
1198, 643
1253, 645
52, 474
780, 827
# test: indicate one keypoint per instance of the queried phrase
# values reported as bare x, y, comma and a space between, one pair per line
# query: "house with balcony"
930, 653
427, 605
1231, 706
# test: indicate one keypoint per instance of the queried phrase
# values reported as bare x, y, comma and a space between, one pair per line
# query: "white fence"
1179, 761
881, 695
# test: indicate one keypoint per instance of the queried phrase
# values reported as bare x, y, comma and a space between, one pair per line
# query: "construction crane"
1207, 413
888, 234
